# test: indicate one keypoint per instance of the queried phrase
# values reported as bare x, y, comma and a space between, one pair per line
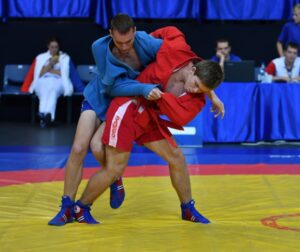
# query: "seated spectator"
290, 32
286, 68
223, 53
49, 77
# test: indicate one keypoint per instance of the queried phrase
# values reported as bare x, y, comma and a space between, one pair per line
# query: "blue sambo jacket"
115, 78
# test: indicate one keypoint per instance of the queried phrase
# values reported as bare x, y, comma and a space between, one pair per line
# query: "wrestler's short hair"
122, 23
210, 73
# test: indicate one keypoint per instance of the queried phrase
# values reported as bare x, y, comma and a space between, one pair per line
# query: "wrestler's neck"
182, 73
177, 80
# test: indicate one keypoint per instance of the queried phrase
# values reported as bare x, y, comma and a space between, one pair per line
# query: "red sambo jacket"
173, 54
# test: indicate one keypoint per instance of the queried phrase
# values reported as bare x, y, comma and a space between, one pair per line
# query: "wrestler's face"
53, 48
123, 42
193, 84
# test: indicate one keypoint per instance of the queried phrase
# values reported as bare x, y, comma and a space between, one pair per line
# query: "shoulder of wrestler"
101, 43
144, 38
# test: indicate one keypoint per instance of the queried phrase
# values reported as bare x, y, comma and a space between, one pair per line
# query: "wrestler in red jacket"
173, 54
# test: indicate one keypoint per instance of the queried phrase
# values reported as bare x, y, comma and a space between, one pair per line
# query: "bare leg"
117, 191
97, 147
86, 127
116, 162
180, 178
177, 166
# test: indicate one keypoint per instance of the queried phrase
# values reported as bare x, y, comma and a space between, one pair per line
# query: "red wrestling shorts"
122, 129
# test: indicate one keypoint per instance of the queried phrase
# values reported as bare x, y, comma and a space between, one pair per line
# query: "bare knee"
98, 151
176, 160
115, 171
175, 157
79, 148
116, 161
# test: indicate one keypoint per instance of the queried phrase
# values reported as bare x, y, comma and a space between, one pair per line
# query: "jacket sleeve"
167, 33
183, 109
128, 87
150, 44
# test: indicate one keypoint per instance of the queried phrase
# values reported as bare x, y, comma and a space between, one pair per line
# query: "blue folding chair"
14, 76
86, 72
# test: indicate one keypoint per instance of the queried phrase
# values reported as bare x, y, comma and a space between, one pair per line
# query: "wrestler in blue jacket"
114, 77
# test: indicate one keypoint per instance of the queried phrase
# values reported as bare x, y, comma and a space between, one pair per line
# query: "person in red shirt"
185, 80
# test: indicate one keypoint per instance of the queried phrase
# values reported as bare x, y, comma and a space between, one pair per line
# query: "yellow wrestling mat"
149, 219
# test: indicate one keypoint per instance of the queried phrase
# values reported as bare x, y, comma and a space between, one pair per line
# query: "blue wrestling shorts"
86, 106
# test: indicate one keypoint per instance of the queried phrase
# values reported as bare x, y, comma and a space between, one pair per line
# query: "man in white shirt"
286, 68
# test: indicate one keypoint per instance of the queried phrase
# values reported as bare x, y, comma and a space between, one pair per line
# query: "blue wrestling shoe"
82, 213
189, 213
66, 213
117, 194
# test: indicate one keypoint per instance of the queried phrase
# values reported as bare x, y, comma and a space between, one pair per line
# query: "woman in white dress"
51, 80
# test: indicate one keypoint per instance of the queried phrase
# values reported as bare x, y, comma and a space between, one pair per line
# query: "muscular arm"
217, 104
127, 87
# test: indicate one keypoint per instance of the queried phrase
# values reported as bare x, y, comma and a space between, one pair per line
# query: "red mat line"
55, 174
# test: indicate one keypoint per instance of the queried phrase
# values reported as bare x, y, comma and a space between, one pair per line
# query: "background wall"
22, 39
